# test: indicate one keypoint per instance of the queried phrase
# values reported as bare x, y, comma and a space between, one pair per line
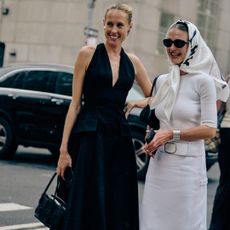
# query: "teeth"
174, 55
113, 36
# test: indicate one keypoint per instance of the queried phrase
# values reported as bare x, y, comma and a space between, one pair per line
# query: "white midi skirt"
175, 193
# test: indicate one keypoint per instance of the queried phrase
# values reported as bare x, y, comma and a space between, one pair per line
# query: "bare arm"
82, 62
141, 75
143, 81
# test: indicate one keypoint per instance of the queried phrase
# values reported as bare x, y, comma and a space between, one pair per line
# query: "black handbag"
148, 115
51, 208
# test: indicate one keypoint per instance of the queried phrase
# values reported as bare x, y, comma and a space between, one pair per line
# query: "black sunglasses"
178, 42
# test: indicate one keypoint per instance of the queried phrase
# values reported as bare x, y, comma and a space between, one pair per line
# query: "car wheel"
142, 160
8, 144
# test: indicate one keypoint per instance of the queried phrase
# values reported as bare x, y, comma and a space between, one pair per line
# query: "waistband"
184, 148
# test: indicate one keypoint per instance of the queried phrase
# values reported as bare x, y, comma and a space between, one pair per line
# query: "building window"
207, 21
166, 20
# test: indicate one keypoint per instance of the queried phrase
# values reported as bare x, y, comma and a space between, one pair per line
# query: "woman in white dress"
175, 190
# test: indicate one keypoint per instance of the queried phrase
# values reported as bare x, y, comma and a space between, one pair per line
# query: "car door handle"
11, 95
57, 101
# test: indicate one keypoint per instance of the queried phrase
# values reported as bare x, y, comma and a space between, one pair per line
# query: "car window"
64, 84
13, 81
37, 80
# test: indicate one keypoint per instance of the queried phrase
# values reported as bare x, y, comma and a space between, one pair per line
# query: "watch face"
170, 147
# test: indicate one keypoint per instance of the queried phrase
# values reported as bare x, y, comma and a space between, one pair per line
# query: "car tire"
142, 160
8, 144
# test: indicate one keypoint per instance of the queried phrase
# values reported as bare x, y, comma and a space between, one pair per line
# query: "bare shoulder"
85, 55
87, 51
133, 58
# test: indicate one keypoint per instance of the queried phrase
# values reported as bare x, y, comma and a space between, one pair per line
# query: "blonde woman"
104, 193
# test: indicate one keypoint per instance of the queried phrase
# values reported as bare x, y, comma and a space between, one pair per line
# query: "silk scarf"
199, 59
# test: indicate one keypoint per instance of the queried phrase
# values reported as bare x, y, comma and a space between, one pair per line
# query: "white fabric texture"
175, 192
199, 59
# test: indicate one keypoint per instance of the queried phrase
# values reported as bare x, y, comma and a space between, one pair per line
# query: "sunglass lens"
167, 42
179, 43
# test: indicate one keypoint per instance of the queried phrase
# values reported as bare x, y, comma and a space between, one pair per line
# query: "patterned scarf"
199, 59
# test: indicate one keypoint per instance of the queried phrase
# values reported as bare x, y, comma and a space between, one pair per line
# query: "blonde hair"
123, 7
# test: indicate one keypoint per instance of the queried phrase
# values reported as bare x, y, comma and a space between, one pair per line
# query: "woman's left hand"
128, 107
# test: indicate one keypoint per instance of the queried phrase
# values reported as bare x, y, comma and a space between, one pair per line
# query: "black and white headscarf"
199, 59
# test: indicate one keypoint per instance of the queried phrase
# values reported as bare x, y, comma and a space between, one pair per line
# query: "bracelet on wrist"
176, 135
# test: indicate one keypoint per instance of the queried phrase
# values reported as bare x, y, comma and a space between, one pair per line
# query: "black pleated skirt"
104, 193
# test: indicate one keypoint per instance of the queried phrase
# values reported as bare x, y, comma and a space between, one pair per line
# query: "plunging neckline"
111, 69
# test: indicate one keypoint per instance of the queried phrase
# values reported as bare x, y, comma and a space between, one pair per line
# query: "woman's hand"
128, 107
135, 104
64, 161
150, 148
161, 137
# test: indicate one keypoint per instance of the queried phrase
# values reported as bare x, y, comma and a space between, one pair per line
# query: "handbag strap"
151, 91
153, 85
48, 185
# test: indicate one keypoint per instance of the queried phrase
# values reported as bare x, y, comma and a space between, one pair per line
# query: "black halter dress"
104, 195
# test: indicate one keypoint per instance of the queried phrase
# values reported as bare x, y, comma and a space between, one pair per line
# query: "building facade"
52, 31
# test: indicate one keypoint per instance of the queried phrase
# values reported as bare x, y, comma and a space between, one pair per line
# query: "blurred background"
52, 31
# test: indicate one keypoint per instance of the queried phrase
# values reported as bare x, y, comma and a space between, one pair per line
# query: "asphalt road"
22, 182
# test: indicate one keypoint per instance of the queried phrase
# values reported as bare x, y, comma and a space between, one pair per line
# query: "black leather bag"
51, 208
148, 115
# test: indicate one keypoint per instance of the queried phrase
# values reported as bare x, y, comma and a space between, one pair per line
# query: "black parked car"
33, 104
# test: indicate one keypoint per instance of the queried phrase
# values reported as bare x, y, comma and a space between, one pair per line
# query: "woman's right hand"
64, 161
